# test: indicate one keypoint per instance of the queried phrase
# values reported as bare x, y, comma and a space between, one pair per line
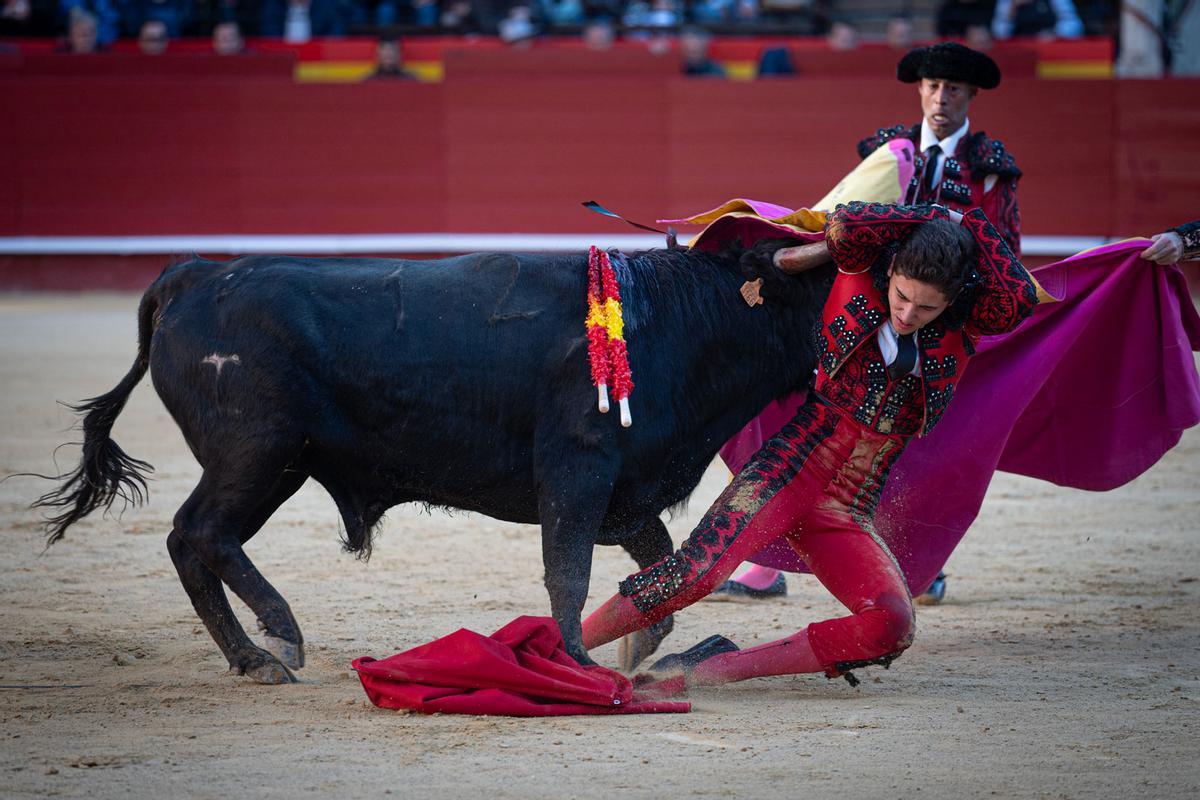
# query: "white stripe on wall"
347, 244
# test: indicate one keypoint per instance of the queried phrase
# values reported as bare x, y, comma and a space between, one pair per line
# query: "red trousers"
818, 482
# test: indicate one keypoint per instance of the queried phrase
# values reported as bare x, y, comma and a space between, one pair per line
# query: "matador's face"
944, 104
913, 303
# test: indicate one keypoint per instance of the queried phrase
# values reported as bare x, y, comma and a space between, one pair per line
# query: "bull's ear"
757, 263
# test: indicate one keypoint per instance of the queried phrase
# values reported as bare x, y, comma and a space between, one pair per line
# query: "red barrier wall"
136, 156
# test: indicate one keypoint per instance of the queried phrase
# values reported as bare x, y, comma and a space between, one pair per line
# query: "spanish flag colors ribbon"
607, 353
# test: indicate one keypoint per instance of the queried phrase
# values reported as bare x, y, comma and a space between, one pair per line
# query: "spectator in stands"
227, 39
899, 34
459, 16
1044, 18
842, 36
174, 14
424, 13
693, 44
810, 17
105, 16
16, 17
724, 12
300, 20
956, 17
518, 27
599, 34
152, 38
776, 61
653, 14
563, 13
82, 27
389, 60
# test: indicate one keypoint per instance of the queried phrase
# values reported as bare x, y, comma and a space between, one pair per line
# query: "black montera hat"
949, 61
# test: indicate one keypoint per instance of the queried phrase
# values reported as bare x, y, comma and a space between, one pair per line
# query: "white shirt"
890, 348
949, 145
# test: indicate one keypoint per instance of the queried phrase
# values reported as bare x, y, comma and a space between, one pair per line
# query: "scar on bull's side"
219, 361
514, 274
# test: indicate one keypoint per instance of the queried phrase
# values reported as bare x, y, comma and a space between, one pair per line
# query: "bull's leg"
212, 525
648, 546
570, 520
207, 594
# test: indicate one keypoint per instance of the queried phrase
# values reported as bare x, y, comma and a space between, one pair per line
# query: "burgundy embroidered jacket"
963, 177
851, 373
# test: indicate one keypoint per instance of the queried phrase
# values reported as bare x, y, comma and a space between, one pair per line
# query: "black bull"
461, 382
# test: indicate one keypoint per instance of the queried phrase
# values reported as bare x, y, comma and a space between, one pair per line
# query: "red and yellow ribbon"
607, 352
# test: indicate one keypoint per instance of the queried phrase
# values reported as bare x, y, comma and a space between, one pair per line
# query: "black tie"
906, 356
930, 168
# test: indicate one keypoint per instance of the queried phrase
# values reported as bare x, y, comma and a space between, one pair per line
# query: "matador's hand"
1167, 248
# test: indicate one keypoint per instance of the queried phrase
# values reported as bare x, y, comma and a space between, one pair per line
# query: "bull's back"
447, 356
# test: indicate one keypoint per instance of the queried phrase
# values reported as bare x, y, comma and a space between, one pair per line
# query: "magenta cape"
1089, 393
521, 670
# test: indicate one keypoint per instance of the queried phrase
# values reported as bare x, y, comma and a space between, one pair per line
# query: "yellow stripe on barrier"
1086, 70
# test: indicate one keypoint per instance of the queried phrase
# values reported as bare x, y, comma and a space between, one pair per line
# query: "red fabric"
521, 670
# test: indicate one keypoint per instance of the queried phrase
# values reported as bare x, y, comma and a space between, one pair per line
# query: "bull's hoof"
290, 654
262, 667
636, 647
581, 657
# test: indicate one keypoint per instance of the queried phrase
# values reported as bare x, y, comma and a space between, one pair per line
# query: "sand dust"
1066, 662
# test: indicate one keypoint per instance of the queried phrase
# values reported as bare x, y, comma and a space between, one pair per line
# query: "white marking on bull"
219, 361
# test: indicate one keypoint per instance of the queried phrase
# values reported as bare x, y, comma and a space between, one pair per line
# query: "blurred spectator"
389, 61
654, 14
425, 13
300, 20
807, 16
564, 13
978, 37
1045, 18
459, 16
174, 14
842, 36
956, 17
105, 15
1184, 39
152, 38
899, 34
693, 44
719, 12
599, 34
1141, 54
776, 61
82, 31
227, 39
517, 27
16, 17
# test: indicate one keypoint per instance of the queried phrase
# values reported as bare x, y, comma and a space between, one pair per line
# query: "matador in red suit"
916, 287
953, 166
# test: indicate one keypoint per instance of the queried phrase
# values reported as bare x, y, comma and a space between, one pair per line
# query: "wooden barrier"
144, 156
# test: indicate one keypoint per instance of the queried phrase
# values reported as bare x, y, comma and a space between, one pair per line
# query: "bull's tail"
105, 471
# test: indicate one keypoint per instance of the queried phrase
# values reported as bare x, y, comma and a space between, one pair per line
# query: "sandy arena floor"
1065, 664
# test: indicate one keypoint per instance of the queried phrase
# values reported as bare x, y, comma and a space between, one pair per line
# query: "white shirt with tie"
949, 146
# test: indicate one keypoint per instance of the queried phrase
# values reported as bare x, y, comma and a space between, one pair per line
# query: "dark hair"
939, 253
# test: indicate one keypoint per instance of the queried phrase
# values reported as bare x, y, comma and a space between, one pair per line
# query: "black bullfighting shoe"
935, 594
734, 591
686, 661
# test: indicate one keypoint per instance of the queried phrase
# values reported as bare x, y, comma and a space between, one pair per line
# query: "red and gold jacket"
851, 373
964, 176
